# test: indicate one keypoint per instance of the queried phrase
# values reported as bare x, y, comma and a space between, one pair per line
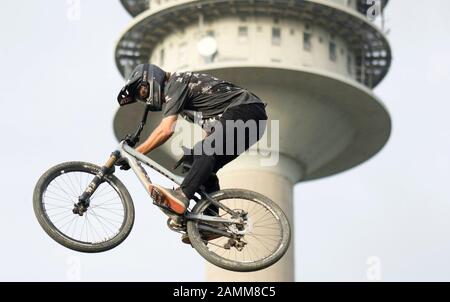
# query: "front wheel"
263, 239
106, 223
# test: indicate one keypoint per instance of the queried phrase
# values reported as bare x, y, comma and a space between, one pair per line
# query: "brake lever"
131, 140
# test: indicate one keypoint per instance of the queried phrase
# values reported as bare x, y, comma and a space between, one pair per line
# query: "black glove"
131, 140
123, 164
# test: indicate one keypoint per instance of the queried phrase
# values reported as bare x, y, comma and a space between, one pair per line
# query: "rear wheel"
106, 223
264, 237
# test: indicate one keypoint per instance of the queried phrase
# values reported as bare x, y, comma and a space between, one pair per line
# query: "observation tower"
315, 62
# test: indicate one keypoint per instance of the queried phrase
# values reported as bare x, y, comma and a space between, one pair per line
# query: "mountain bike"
86, 208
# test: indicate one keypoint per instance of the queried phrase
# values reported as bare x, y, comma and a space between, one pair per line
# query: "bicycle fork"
85, 198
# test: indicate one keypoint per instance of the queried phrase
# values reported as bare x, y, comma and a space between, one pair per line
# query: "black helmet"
144, 76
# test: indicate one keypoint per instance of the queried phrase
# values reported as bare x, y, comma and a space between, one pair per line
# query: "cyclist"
203, 99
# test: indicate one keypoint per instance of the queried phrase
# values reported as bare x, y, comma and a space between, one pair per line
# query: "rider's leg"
205, 163
211, 164
243, 113
201, 170
212, 185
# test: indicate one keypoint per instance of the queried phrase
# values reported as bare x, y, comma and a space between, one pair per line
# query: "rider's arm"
160, 135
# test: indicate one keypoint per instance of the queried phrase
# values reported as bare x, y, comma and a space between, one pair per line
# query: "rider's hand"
123, 164
131, 140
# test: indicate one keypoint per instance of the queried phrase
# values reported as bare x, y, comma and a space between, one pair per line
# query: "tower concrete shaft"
275, 182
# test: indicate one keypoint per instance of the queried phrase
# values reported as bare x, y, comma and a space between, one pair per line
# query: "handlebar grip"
130, 140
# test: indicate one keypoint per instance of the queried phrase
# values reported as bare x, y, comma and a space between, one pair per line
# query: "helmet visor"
125, 97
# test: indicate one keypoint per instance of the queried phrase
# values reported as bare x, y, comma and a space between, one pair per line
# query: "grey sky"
59, 84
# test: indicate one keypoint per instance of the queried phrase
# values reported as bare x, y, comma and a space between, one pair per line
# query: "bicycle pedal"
157, 196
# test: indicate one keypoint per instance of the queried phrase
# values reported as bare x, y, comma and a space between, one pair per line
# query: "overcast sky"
58, 88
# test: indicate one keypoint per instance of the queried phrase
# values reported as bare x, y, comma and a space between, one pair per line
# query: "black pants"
205, 165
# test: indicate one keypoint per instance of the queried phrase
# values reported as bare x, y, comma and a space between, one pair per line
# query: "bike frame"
135, 159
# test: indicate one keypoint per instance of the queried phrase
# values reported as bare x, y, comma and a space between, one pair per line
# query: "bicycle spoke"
73, 226
262, 219
95, 230
58, 213
251, 250
264, 235
100, 189
104, 226
61, 219
87, 223
69, 175
57, 199
56, 206
63, 197
261, 242
102, 194
266, 226
110, 220
110, 200
108, 208
79, 181
63, 178
68, 222
82, 227
243, 255
111, 211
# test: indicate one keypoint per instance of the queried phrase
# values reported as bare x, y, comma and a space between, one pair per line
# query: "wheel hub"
244, 227
80, 208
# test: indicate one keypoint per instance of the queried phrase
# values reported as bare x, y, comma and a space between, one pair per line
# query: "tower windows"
276, 36
307, 46
349, 64
243, 33
333, 51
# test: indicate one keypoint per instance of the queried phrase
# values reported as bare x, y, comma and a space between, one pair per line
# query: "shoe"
173, 199
207, 237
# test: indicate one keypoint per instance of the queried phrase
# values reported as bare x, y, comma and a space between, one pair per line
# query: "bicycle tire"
198, 242
66, 241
